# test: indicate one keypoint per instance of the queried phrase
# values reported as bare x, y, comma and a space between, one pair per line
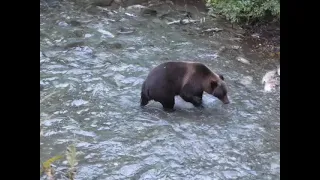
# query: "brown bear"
187, 79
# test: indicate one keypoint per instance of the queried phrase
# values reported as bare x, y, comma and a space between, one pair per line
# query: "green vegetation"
246, 11
47, 168
71, 156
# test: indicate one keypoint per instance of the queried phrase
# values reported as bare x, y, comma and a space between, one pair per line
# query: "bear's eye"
218, 92
223, 92
221, 77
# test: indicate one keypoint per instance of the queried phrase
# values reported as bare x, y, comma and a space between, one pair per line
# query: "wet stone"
102, 3
148, 11
107, 45
74, 44
75, 23
79, 33
124, 30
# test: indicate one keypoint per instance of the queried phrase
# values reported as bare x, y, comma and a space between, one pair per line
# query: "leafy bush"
246, 11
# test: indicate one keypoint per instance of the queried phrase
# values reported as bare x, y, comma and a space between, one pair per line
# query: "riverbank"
264, 38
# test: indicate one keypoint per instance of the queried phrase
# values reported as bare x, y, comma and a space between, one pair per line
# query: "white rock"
78, 102
255, 35
87, 35
268, 76
270, 80
243, 60
63, 24
137, 6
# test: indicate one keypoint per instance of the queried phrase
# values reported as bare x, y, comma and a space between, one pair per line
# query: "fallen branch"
183, 21
187, 21
130, 15
212, 30
103, 9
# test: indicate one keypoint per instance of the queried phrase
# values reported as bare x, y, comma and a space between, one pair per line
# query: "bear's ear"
221, 77
213, 84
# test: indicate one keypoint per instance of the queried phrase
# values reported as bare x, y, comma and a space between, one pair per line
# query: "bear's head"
219, 89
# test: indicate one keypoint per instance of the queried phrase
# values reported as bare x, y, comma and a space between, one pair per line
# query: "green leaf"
71, 155
47, 164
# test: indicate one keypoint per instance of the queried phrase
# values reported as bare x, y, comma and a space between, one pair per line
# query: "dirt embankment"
263, 39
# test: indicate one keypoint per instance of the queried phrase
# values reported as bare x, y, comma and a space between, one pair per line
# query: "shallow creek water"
95, 73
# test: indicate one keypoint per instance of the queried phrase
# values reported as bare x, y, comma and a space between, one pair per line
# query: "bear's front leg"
197, 101
190, 94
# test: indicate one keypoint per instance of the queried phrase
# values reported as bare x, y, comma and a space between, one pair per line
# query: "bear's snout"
226, 100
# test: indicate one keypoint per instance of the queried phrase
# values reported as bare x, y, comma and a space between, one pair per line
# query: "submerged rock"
123, 30
75, 23
115, 45
77, 33
74, 44
148, 11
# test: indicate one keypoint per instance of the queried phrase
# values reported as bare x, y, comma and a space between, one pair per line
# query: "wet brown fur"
187, 79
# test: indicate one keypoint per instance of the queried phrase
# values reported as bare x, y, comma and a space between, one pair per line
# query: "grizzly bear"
187, 79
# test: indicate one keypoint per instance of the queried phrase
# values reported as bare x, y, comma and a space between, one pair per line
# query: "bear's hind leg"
143, 100
168, 104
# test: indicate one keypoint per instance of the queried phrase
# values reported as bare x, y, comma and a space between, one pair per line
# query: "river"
93, 64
